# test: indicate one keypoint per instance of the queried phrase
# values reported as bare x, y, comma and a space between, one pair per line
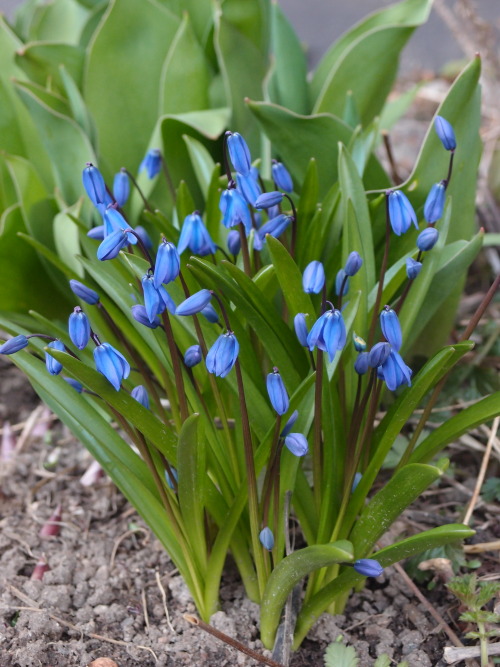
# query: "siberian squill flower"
281, 177
276, 226
427, 239
445, 132
114, 220
301, 331
378, 354
353, 263
234, 210
222, 355
13, 345
391, 327
79, 328
167, 265
85, 293
112, 364
193, 356
394, 371
434, 204
328, 333
266, 538
234, 242
140, 394
249, 187
53, 365
368, 567
268, 199
195, 235
313, 278
140, 315
413, 268
239, 152
277, 392
401, 213
112, 244
151, 163
296, 443
94, 185
194, 303
121, 187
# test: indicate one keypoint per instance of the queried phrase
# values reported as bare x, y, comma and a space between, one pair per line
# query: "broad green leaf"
201, 15
467, 419
290, 279
66, 238
56, 18
41, 62
132, 45
350, 578
201, 160
185, 78
289, 572
77, 105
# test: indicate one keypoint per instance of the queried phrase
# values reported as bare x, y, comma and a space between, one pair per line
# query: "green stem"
383, 269
176, 366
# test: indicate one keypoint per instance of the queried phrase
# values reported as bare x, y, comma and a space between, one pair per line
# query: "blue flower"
113, 221
368, 567
140, 394
151, 163
281, 177
112, 244
359, 343
395, 372
166, 301
353, 264
140, 315
195, 303
378, 354
79, 328
170, 482
13, 345
192, 356
356, 481
427, 239
77, 386
391, 327
289, 425
167, 265
434, 204
328, 333
112, 364
234, 210
239, 152
445, 132
195, 235
277, 392
297, 444
313, 277
401, 213
210, 313
266, 538
85, 293
234, 242
249, 187
152, 298
97, 233
94, 185
268, 199
299, 323
53, 365
222, 355
339, 281
276, 226
121, 187
361, 365
413, 268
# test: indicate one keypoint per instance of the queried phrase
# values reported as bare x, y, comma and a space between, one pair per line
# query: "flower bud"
401, 213
368, 567
281, 177
239, 152
85, 293
192, 356
427, 239
140, 315
77, 386
195, 303
168, 264
96, 233
445, 132
434, 204
361, 364
313, 278
112, 244
378, 354
13, 345
353, 264
413, 268
140, 394
94, 185
210, 313
276, 226
121, 187
234, 242
79, 328
359, 343
341, 282
266, 538
249, 187
391, 327
277, 392
151, 163
53, 365
222, 355
268, 199
296, 443
112, 364
299, 322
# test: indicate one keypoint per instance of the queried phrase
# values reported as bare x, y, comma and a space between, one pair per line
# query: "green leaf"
481, 412
288, 573
201, 160
41, 61
340, 655
290, 279
66, 237
58, 18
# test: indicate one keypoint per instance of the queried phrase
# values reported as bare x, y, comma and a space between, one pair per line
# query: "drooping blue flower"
194, 303
445, 132
276, 226
368, 567
328, 333
77, 386
313, 278
268, 199
94, 185
166, 301
239, 152
289, 425
361, 364
277, 392
234, 210
140, 394
401, 213
353, 264
222, 355
434, 204
266, 538
167, 265
121, 187
356, 481
341, 279
140, 315
297, 444
210, 313
152, 298
112, 244
195, 235
151, 163
391, 328
112, 364
113, 221
299, 323
13, 345
378, 354
427, 239
79, 328
234, 242
249, 187
53, 365
413, 268
97, 233
395, 372
85, 293
170, 482
281, 177
144, 236
193, 356
359, 343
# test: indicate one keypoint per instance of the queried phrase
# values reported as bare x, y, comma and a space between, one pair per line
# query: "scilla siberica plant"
228, 400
